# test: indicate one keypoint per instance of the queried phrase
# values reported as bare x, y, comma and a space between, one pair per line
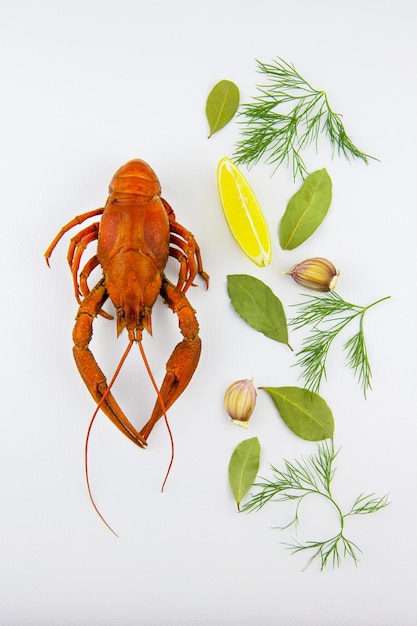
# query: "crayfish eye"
121, 320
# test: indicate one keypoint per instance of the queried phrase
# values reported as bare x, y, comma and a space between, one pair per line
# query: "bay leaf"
256, 303
243, 467
306, 210
303, 411
222, 103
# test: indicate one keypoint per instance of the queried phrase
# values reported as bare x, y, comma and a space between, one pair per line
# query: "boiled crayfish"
137, 233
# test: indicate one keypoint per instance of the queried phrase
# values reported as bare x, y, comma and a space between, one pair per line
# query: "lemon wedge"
243, 213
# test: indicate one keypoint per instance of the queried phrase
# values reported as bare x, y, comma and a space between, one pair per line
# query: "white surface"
87, 86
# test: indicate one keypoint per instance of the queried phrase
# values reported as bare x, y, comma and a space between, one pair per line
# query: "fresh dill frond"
286, 117
310, 476
329, 551
328, 315
299, 479
368, 504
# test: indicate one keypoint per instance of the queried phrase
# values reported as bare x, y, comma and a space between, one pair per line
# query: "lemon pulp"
243, 213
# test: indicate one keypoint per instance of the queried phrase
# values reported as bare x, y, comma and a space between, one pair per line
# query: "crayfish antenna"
98, 407
90, 495
87, 438
164, 413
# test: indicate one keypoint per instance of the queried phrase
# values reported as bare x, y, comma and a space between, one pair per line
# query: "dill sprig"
313, 476
286, 117
328, 315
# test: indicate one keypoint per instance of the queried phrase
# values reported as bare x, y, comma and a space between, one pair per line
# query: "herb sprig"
286, 117
308, 477
328, 315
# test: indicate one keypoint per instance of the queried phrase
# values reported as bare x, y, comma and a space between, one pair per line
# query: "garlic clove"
317, 273
239, 401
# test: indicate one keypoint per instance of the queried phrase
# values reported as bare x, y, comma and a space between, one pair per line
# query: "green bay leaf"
243, 467
222, 103
303, 411
306, 210
256, 303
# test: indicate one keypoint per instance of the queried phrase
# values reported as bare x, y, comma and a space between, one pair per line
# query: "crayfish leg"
188, 252
85, 290
77, 246
78, 219
90, 372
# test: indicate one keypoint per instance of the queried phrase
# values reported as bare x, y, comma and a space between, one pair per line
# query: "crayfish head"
135, 314
134, 323
132, 295
135, 177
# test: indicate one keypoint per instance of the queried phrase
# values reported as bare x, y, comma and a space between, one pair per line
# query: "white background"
87, 85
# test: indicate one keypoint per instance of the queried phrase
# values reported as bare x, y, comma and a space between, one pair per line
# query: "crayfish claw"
88, 368
184, 359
